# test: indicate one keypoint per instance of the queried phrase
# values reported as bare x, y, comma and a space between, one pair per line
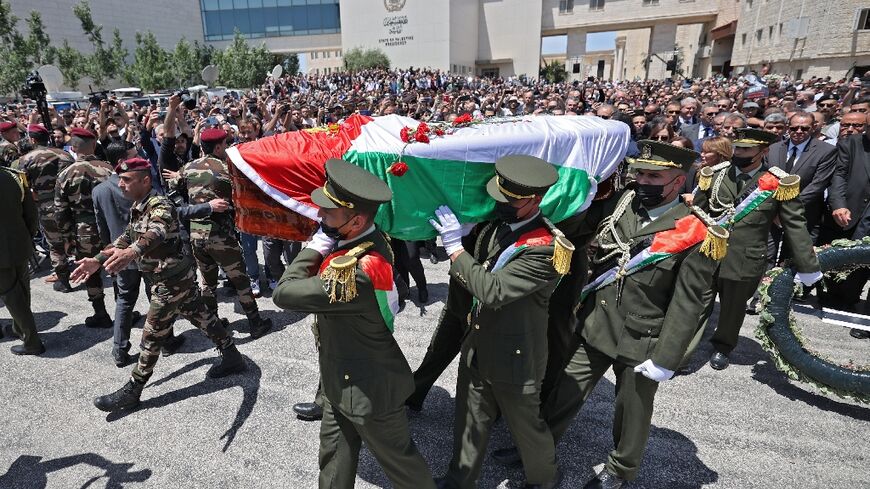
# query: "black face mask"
650, 195
335, 233
507, 213
742, 161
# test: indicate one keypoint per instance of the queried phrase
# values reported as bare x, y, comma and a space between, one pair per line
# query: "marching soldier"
214, 239
344, 276
639, 311
9, 140
42, 165
504, 285
152, 241
748, 198
76, 221
18, 221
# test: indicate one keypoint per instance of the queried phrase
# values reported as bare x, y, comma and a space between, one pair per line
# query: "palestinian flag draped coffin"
426, 166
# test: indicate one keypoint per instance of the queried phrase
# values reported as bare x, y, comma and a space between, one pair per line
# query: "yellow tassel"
715, 243
789, 188
339, 279
705, 178
562, 252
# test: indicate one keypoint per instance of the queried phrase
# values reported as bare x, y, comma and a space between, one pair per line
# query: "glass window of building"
268, 18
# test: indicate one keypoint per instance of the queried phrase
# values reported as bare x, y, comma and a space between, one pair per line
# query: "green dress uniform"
507, 280
19, 224
648, 315
737, 276
364, 375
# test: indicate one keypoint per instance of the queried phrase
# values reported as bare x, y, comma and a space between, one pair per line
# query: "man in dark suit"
697, 133
810, 159
19, 224
848, 197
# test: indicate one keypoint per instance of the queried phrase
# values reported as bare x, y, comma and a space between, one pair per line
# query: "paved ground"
747, 426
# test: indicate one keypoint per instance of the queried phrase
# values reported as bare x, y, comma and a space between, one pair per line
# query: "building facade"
804, 38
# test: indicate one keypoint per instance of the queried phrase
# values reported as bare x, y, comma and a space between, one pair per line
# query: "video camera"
187, 100
34, 88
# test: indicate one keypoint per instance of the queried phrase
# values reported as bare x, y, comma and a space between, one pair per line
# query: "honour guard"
345, 277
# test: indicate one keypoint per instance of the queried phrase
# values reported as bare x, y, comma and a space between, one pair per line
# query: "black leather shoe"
23, 350
171, 345
99, 320
260, 327
604, 480
122, 358
231, 362
859, 334
126, 397
719, 361
508, 457
62, 285
308, 411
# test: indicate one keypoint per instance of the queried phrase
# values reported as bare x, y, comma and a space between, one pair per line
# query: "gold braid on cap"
750, 141
509, 193
335, 199
339, 278
670, 164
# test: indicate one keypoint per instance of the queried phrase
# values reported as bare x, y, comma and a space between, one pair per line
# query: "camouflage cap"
132, 164
657, 155
521, 177
748, 137
351, 187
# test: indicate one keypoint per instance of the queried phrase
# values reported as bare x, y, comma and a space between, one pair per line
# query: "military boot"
259, 326
231, 362
101, 318
126, 397
62, 285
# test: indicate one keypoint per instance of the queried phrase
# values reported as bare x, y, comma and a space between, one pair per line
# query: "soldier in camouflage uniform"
75, 218
42, 165
9, 141
152, 240
213, 239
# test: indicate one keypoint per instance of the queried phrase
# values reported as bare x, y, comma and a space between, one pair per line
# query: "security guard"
640, 308
506, 279
152, 240
42, 165
344, 276
750, 198
214, 239
76, 220
18, 221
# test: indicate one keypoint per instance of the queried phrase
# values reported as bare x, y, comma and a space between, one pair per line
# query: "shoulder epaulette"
563, 249
789, 185
339, 276
715, 244
705, 175
20, 178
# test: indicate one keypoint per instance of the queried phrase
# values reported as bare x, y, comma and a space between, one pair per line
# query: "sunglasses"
712, 114
856, 125
673, 112
604, 116
660, 138
827, 105
799, 128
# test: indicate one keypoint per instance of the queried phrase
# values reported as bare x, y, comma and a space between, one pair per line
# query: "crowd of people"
144, 193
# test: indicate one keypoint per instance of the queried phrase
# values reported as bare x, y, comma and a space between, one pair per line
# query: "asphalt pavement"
747, 426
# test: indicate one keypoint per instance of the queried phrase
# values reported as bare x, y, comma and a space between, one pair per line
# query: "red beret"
213, 135
82, 133
37, 128
7, 125
133, 164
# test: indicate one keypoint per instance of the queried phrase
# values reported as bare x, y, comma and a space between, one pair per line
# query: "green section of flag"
461, 186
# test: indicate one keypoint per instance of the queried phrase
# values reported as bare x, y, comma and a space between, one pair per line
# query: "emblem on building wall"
394, 5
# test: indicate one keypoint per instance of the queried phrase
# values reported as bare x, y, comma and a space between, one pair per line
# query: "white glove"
807, 278
449, 228
653, 371
321, 243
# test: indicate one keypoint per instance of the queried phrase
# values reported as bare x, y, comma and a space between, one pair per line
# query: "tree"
240, 66
357, 59
71, 63
38, 43
106, 62
205, 53
554, 72
16, 63
184, 64
290, 62
151, 68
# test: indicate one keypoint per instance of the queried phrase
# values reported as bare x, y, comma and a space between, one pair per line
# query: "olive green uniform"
365, 378
19, 225
648, 315
504, 355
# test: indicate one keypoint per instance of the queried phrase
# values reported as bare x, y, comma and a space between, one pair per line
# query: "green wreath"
783, 339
